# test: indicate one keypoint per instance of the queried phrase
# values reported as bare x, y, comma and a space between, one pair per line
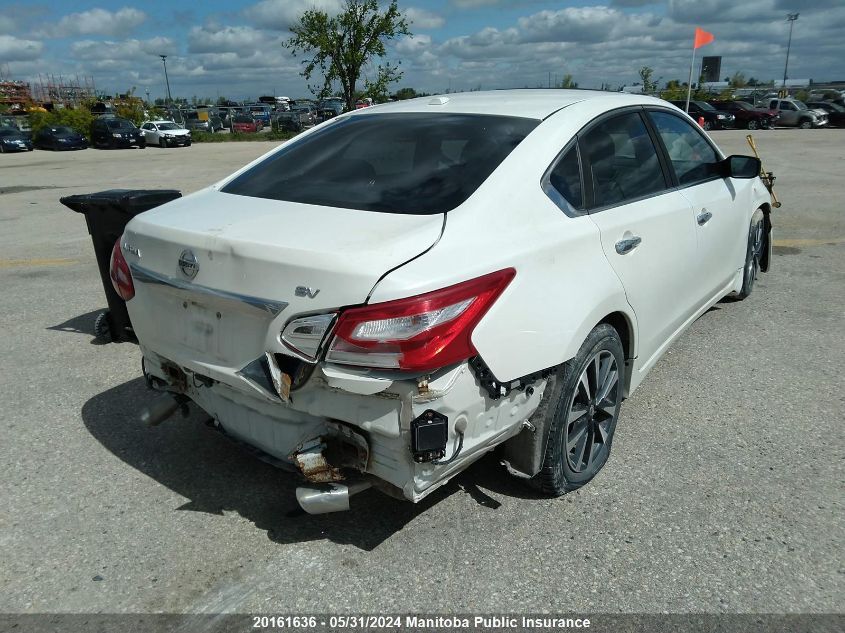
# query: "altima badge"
188, 264
302, 291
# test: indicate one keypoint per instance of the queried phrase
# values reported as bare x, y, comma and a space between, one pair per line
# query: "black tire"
564, 467
757, 245
806, 124
707, 126
752, 124
102, 328
188, 144
162, 143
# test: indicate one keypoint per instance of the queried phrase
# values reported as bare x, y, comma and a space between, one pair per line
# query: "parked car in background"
59, 138
398, 361
713, 118
795, 113
746, 115
13, 140
175, 114
202, 121
307, 114
294, 120
245, 123
835, 111
114, 132
166, 134
329, 108
260, 113
212, 113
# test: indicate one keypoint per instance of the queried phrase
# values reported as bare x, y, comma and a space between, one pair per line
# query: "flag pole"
689, 83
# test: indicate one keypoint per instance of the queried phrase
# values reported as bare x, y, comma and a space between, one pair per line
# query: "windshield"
120, 124
6, 133
835, 107
168, 126
705, 106
62, 131
800, 104
420, 163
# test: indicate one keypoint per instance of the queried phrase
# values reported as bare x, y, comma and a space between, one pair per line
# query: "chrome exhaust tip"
331, 497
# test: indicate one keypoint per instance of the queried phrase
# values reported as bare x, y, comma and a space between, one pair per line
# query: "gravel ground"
724, 493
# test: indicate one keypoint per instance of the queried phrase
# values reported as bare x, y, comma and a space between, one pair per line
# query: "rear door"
719, 226
647, 230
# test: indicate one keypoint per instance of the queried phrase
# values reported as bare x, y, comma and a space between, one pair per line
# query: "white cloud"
126, 50
423, 19
281, 14
97, 22
243, 40
13, 49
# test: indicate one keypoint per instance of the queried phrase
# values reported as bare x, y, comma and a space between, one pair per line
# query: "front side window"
692, 157
623, 163
407, 163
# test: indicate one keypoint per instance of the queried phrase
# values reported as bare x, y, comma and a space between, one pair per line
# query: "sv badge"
302, 291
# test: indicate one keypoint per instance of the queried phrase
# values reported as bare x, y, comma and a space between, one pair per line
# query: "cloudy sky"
233, 47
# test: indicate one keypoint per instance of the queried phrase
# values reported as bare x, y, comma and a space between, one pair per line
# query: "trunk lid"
251, 255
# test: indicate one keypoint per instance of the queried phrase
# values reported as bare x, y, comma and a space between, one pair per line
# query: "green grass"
205, 137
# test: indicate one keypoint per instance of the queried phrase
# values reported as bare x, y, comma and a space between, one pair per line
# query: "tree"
405, 93
738, 80
340, 46
649, 84
567, 82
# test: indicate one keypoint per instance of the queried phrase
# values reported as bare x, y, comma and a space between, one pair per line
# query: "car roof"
530, 103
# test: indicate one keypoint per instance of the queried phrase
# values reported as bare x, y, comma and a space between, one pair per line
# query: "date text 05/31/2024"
417, 622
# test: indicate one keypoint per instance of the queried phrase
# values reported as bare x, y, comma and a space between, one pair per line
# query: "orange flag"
702, 38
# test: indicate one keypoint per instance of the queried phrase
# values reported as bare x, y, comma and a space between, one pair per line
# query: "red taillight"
421, 333
121, 280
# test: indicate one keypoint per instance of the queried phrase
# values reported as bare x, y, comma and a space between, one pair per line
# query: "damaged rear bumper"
341, 426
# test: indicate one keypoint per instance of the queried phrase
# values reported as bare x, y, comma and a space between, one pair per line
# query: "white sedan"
387, 297
166, 134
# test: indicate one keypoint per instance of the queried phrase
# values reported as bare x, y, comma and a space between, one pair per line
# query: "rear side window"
408, 163
565, 177
623, 163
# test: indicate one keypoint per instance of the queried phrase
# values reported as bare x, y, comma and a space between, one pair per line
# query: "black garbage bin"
107, 213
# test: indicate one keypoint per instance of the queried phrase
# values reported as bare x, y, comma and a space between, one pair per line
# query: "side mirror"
737, 166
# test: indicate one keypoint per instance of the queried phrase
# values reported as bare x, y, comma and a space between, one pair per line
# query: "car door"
719, 227
150, 132
646, 226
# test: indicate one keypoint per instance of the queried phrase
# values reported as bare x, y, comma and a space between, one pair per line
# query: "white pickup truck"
794, 112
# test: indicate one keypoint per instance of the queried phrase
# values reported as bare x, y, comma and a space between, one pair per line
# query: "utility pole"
790, 17
166, 80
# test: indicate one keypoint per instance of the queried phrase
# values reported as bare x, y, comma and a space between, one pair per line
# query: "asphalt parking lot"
724, 492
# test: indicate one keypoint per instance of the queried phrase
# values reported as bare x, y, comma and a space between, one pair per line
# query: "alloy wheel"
755, 245
591, 412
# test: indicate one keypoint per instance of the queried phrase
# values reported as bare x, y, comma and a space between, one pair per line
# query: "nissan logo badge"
188, 264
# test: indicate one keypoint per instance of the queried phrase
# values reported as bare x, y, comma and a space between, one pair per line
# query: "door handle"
627, 245
703, 217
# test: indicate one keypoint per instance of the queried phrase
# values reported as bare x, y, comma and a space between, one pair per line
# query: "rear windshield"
119, 124
404, 163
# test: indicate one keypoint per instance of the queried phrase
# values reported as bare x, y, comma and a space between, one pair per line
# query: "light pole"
166, 80
790, 17
148, 96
